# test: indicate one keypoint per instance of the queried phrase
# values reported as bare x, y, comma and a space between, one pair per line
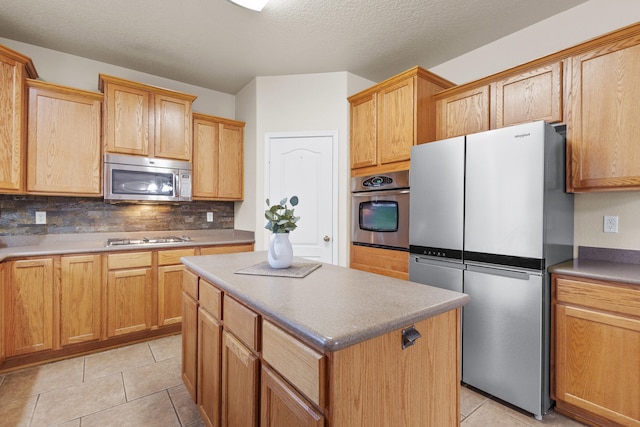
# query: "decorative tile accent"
89, 215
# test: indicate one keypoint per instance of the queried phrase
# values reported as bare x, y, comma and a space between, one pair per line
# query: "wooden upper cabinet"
231, 161
530, 96
396, 122
391, 117
509, 98
463, 113
146, 120
126, 120
603, 127
218, 158
14, 69
64, 152
363, 132
173, 127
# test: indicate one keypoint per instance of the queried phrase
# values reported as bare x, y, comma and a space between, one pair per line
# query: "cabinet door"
463, 113
64, 146
12, 120
602, 126
126, 120
240, 370
209, 368
534, 95
172, 127
189, 343
363, 132
169, 291
29, 308
129, 301
282, 406
80, 301
396, 122
231, 162
206, 139
597, 363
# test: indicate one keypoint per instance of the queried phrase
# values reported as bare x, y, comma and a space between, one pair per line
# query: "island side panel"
376, 382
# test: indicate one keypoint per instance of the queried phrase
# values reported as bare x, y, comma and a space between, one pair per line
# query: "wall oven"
145, 179
380, 210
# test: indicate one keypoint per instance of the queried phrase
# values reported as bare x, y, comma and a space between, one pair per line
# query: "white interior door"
302, 164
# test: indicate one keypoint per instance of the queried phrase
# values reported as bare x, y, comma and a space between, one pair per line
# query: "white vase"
280, 253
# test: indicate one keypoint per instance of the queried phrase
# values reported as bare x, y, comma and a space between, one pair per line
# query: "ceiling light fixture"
256, 5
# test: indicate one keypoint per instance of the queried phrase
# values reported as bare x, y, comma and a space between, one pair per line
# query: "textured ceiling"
218, 45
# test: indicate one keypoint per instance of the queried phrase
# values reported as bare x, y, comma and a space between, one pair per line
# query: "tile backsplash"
88, 215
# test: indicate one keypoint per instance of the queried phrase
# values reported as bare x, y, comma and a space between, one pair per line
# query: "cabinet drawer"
301, 365
243, 322
210, 299
190, 284
129, 260
173, 256
609, 297
213, 250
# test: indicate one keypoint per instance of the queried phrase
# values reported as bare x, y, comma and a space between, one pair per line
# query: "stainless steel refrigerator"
488, 215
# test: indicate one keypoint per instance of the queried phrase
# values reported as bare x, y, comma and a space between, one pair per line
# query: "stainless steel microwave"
145, 179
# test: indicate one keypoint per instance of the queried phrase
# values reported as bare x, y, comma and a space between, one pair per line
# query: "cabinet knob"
409, 337
327, 238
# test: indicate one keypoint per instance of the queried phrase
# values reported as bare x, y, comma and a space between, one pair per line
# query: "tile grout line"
173, 405
33, 411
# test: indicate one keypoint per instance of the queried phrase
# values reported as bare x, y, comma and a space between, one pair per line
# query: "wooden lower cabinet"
190, 344
380, 261
596, 351
80, 298
281, 405
209, 368
170, 272
240, 383
129, 292
29, 306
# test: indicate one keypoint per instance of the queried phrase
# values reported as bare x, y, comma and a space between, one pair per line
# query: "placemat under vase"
297, 269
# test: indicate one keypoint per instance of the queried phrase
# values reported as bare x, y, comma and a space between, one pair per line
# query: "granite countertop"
331, 308
618, 265
59, 244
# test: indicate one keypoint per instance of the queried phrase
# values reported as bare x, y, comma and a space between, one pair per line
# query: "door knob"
327, 238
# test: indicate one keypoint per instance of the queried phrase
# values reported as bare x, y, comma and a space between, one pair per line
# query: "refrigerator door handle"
513, 274
433, 261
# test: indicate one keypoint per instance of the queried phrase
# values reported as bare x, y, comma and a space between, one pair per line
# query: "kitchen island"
339, 347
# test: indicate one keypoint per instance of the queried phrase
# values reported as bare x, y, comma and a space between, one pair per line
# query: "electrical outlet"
41, 217
209, 216
610, 224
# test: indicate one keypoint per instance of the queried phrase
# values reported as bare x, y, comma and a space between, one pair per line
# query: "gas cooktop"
147, 240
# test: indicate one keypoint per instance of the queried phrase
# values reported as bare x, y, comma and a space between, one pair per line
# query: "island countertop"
331, 308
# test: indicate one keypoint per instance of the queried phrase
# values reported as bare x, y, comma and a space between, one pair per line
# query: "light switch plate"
41, 217
209, 216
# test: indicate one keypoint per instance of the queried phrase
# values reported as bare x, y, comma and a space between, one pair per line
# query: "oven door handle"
380, 193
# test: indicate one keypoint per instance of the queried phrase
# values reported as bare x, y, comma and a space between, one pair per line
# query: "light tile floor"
140, 385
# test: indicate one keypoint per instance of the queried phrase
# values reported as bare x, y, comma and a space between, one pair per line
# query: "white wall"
295, 103
571, 27
82, 73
